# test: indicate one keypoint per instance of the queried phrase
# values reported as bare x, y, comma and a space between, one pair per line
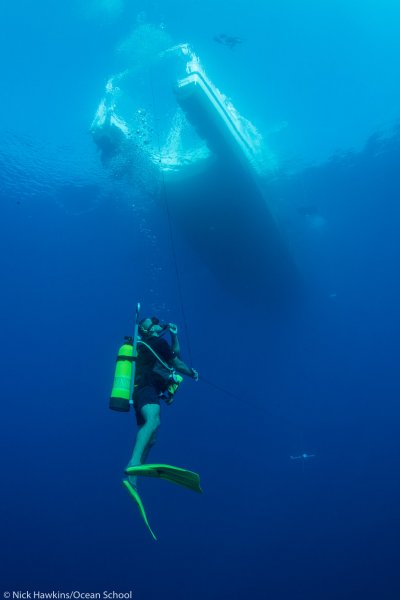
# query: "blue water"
79, 248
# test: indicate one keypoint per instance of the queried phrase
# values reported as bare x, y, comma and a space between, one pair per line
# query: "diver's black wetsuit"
147, 386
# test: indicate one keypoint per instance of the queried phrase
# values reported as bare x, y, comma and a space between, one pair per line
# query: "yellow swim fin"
177, 475
135, 496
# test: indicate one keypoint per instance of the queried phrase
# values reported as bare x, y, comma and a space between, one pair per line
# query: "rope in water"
171, 233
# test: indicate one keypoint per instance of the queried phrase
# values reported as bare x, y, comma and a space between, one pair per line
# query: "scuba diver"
158, 365
153, 369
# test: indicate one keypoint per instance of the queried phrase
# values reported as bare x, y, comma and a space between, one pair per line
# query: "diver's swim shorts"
142, 396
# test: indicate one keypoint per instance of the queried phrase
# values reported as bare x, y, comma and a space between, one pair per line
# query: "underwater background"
81, 246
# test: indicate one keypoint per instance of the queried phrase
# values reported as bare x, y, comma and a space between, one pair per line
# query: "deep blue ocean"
317, 374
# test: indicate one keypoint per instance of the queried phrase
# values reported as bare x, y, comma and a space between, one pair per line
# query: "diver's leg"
145, 437
149, 446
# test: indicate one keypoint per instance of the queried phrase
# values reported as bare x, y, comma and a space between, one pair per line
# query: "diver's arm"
182, 368
173, 329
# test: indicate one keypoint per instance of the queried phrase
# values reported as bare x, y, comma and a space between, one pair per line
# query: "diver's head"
152, 327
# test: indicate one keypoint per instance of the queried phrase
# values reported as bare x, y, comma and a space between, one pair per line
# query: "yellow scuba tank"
121, 391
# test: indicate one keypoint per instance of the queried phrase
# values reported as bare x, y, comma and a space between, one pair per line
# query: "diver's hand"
195, 375
173, 328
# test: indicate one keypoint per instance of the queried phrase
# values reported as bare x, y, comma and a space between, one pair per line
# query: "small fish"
227, 40
302, 456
